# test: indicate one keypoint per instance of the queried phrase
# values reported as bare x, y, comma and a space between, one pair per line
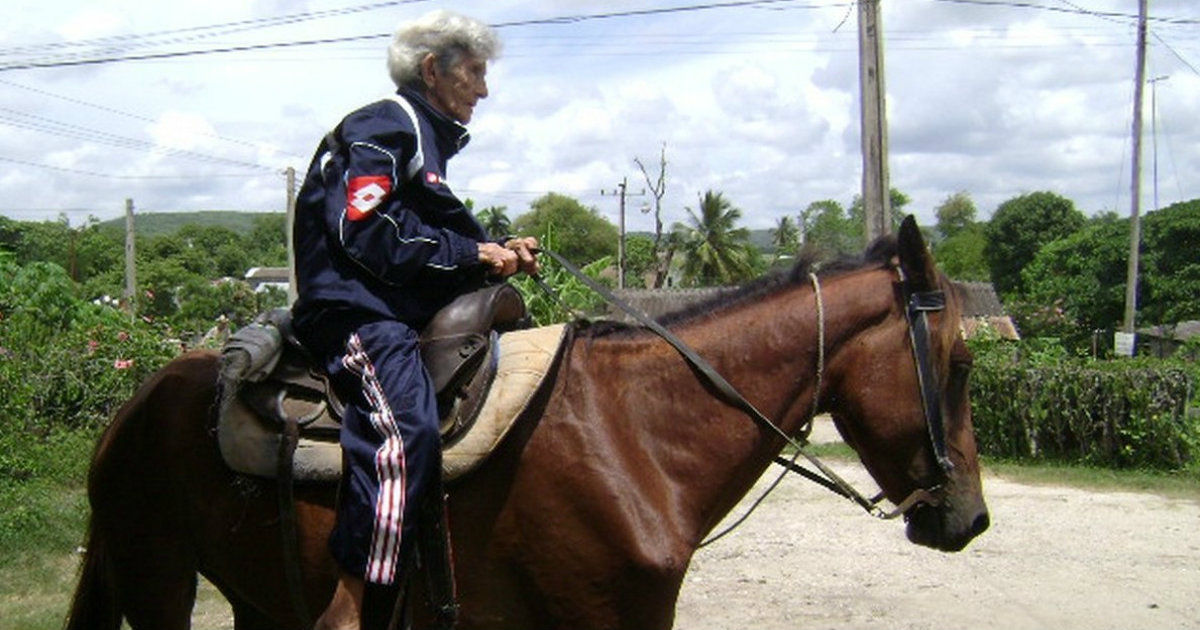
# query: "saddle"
280, 418
269, 380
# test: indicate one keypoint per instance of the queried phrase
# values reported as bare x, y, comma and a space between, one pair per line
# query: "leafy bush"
1032, 401
65, 364
571, 297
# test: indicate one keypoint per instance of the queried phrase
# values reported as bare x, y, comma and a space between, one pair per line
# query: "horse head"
901, 401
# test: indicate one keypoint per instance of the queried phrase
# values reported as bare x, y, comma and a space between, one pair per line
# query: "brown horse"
588, 514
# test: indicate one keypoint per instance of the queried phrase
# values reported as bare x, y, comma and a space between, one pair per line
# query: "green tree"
221, 246
826, 229
1019, 228
580, 233
785, 237
1076, 284
639, 260
266, 243
1170, 256
858, 215
955, 214
715, 250
495, 220
961, 255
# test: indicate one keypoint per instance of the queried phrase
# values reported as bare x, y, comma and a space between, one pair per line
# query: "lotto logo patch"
432, 178
364, 193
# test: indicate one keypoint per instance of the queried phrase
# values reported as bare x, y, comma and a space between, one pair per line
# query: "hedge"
1119, 414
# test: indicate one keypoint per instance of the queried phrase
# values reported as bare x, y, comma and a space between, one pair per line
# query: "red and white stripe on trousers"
384, 554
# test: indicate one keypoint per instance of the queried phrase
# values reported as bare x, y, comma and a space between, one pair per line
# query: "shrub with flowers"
65, 364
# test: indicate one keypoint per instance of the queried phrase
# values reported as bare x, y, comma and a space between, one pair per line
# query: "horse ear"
915, 259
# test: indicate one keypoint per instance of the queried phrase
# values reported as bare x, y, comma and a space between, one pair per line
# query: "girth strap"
289, 438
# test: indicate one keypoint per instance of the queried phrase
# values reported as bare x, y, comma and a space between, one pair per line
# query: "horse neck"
710, 453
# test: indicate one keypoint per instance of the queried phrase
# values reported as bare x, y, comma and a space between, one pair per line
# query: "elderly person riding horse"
382, 244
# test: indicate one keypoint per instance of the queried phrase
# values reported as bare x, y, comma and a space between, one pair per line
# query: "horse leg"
156, 583
248, 617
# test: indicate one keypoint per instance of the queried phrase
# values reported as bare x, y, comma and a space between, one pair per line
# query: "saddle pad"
525, 356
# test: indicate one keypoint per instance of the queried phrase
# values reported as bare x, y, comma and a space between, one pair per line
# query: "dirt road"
1055, 558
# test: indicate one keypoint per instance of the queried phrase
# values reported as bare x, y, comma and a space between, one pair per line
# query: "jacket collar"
451, 135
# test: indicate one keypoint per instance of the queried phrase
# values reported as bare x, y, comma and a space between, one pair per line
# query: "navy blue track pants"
391, 449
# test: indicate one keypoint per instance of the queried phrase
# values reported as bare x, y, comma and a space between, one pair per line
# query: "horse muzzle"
945, 527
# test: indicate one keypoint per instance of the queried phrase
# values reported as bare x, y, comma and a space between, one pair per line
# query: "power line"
1071, 8
131, 115
186, 53
567, 19
76, 171
42, 124
1176, 53
201, 32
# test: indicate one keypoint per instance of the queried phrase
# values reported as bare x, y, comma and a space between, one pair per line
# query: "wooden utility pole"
130, 262
875, 188
620, 192
1131, 279
289, 225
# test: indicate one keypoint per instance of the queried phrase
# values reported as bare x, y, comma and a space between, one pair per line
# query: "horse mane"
878, 253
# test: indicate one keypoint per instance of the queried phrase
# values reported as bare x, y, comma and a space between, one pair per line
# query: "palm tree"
785, 237
495, 220
715, 251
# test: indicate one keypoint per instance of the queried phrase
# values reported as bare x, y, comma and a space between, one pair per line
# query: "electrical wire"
77, 171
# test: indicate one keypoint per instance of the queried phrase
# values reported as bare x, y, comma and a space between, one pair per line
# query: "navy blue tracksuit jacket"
381, 244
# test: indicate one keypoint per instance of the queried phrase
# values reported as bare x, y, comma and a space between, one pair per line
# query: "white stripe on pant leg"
390, 470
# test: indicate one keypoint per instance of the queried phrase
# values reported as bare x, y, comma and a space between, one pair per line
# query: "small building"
260, 278
982, 310
1165, 340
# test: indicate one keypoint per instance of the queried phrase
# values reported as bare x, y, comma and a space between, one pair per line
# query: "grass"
42, 529
43, 512
1183, 484
1180, 484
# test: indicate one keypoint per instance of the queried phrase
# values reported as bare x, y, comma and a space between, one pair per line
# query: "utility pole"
1154, 129
1127, 341
876, 192
289, 225
130, 262
620, 192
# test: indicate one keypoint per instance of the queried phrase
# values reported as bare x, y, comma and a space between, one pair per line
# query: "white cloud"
181, 130
90, 22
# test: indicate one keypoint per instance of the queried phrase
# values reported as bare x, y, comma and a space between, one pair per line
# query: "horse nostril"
981, 524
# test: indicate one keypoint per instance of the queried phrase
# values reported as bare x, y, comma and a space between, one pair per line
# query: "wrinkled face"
880, 414
454, 91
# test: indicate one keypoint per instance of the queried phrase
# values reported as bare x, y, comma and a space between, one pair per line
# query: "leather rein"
917, 306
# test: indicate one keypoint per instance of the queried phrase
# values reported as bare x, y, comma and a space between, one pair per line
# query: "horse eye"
961, 359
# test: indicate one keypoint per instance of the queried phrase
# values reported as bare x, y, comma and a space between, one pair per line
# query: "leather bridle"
917, 306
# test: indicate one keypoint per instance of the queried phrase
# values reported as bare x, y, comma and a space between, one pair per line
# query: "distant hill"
163, 223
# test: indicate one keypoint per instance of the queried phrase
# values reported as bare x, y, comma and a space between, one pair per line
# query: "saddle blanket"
250, 446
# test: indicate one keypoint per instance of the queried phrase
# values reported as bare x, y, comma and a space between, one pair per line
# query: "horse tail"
94, 606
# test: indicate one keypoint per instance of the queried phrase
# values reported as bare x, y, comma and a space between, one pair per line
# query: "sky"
203, 104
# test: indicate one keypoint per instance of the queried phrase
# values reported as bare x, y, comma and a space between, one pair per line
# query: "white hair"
447, 35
